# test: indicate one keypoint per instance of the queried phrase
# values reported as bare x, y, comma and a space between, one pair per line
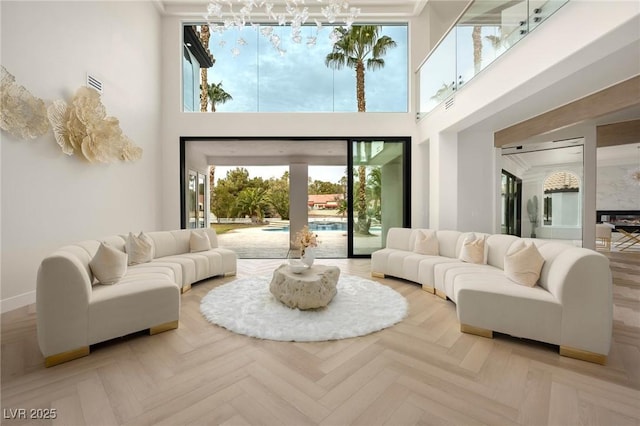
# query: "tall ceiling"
369, 8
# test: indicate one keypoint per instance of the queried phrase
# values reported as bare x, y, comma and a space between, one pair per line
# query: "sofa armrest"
63, 291
581, 280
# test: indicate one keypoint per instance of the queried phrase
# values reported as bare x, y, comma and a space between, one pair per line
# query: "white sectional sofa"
570, 304
74, 310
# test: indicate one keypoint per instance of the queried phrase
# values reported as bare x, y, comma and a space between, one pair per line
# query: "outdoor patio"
272, 241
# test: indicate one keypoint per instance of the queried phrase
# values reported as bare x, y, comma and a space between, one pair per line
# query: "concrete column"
589, 188
298, 198
443, 176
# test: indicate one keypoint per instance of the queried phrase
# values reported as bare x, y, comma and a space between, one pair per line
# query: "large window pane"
261, 78
296, 81
189, 82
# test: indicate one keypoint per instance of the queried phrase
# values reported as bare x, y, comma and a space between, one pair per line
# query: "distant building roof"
195, 46
562, 182
315, 199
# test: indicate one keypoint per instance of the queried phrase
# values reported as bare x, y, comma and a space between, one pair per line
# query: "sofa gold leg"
377, 274
185, 289
583, 355
163, 327
428, 288
483, 332
56, 359
229, 274
441, 294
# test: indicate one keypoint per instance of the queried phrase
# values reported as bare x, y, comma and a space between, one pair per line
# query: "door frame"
406, 173
406, 186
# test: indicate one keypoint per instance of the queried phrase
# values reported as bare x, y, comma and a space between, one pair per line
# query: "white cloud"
260, 79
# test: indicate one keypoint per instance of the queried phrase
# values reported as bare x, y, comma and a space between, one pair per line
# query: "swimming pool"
320, 226
313, 226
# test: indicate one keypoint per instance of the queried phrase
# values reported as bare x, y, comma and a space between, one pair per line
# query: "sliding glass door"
379, 188
349, 191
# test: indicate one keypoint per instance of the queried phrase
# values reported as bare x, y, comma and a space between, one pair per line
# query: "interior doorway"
550, 190
511, 203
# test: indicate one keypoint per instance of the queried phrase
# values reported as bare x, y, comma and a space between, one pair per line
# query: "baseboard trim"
15, 302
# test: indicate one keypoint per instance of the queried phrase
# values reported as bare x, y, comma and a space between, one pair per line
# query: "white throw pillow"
523, 263
139, 248
474, 250
199, 242
109, 264
426, 243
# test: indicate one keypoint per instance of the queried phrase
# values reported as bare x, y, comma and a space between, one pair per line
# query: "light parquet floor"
421, 371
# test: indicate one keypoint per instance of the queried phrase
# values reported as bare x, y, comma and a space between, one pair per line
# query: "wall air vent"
448, 103
94, 83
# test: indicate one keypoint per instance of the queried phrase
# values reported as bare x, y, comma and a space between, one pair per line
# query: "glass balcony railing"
484, 31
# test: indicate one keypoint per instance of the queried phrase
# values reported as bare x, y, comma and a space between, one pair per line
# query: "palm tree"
476, 36
357, 46
217, 95
374, 187
205, 35
252, 201
360, 47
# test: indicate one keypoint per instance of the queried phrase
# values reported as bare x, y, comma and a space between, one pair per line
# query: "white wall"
476, 178
48, 198
615, 191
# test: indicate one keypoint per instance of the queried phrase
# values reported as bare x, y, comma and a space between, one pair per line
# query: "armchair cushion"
426, 243
523, 264
108, 265
473, 250
199, 242
139, 248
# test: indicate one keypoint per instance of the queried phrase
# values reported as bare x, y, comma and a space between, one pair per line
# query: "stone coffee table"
311, 289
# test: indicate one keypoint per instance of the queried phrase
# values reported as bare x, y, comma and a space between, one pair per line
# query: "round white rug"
246, 306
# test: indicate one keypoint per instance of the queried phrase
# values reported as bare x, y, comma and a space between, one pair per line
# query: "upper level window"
190, 81
253, 76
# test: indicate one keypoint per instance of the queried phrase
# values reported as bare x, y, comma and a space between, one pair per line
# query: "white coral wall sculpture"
83, 127
22, 114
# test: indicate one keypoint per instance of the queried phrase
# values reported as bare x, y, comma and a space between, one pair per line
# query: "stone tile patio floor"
258, 243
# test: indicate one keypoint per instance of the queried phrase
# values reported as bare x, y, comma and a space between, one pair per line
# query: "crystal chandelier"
236, 14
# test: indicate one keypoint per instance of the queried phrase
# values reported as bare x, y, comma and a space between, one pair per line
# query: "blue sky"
260, 79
